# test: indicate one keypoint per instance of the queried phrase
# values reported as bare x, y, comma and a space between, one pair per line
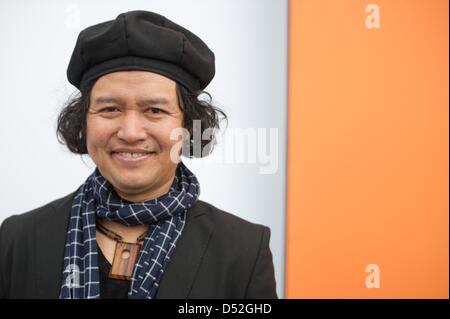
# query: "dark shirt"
110, 288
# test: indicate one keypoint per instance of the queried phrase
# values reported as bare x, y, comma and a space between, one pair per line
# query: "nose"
132, 128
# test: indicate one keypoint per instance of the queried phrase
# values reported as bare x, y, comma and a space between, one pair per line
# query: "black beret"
141, 40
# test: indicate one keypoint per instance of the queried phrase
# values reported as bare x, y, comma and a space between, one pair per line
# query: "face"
131, 115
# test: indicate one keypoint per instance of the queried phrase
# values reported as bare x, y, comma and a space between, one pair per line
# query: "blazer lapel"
185, 262
50, 241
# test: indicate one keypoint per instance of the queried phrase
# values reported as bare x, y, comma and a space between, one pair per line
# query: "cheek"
164, 135
96, 134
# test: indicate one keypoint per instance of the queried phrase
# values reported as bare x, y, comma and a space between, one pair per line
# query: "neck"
146, 195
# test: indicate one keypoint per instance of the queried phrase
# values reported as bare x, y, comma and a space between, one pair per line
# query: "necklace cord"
113, 235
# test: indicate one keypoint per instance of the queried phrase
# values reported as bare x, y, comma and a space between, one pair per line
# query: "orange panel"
368, 150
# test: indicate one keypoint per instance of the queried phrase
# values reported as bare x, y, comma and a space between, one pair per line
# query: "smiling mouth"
131, 157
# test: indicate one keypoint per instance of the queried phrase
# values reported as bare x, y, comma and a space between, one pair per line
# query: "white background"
249, 39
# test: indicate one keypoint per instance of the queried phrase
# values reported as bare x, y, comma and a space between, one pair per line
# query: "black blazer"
218, 255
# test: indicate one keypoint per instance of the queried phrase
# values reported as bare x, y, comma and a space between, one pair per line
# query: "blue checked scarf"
166, 215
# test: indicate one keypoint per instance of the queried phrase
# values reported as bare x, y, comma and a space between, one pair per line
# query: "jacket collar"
179, 276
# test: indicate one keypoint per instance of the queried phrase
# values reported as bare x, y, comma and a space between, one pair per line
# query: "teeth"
132, 155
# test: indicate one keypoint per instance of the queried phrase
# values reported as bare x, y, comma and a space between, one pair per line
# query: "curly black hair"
71, 123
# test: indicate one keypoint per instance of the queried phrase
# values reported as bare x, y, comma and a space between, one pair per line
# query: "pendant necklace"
125, 254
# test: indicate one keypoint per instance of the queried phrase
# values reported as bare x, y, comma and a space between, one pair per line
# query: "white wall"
249, 38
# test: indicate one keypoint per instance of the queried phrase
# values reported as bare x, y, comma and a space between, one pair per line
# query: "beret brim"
129, 63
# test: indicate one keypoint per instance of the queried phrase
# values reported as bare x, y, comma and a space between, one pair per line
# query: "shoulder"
230, 227
24, 223
224, 218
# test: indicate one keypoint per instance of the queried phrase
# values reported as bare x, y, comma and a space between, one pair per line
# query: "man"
135, 228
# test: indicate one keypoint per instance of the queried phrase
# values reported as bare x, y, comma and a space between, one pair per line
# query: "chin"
132, 188
135, 181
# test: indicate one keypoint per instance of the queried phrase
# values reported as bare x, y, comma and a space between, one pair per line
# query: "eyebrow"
142, 103
153, 101
107, 99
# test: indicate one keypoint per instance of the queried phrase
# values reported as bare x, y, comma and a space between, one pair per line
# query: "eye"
155, 110
109, 109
